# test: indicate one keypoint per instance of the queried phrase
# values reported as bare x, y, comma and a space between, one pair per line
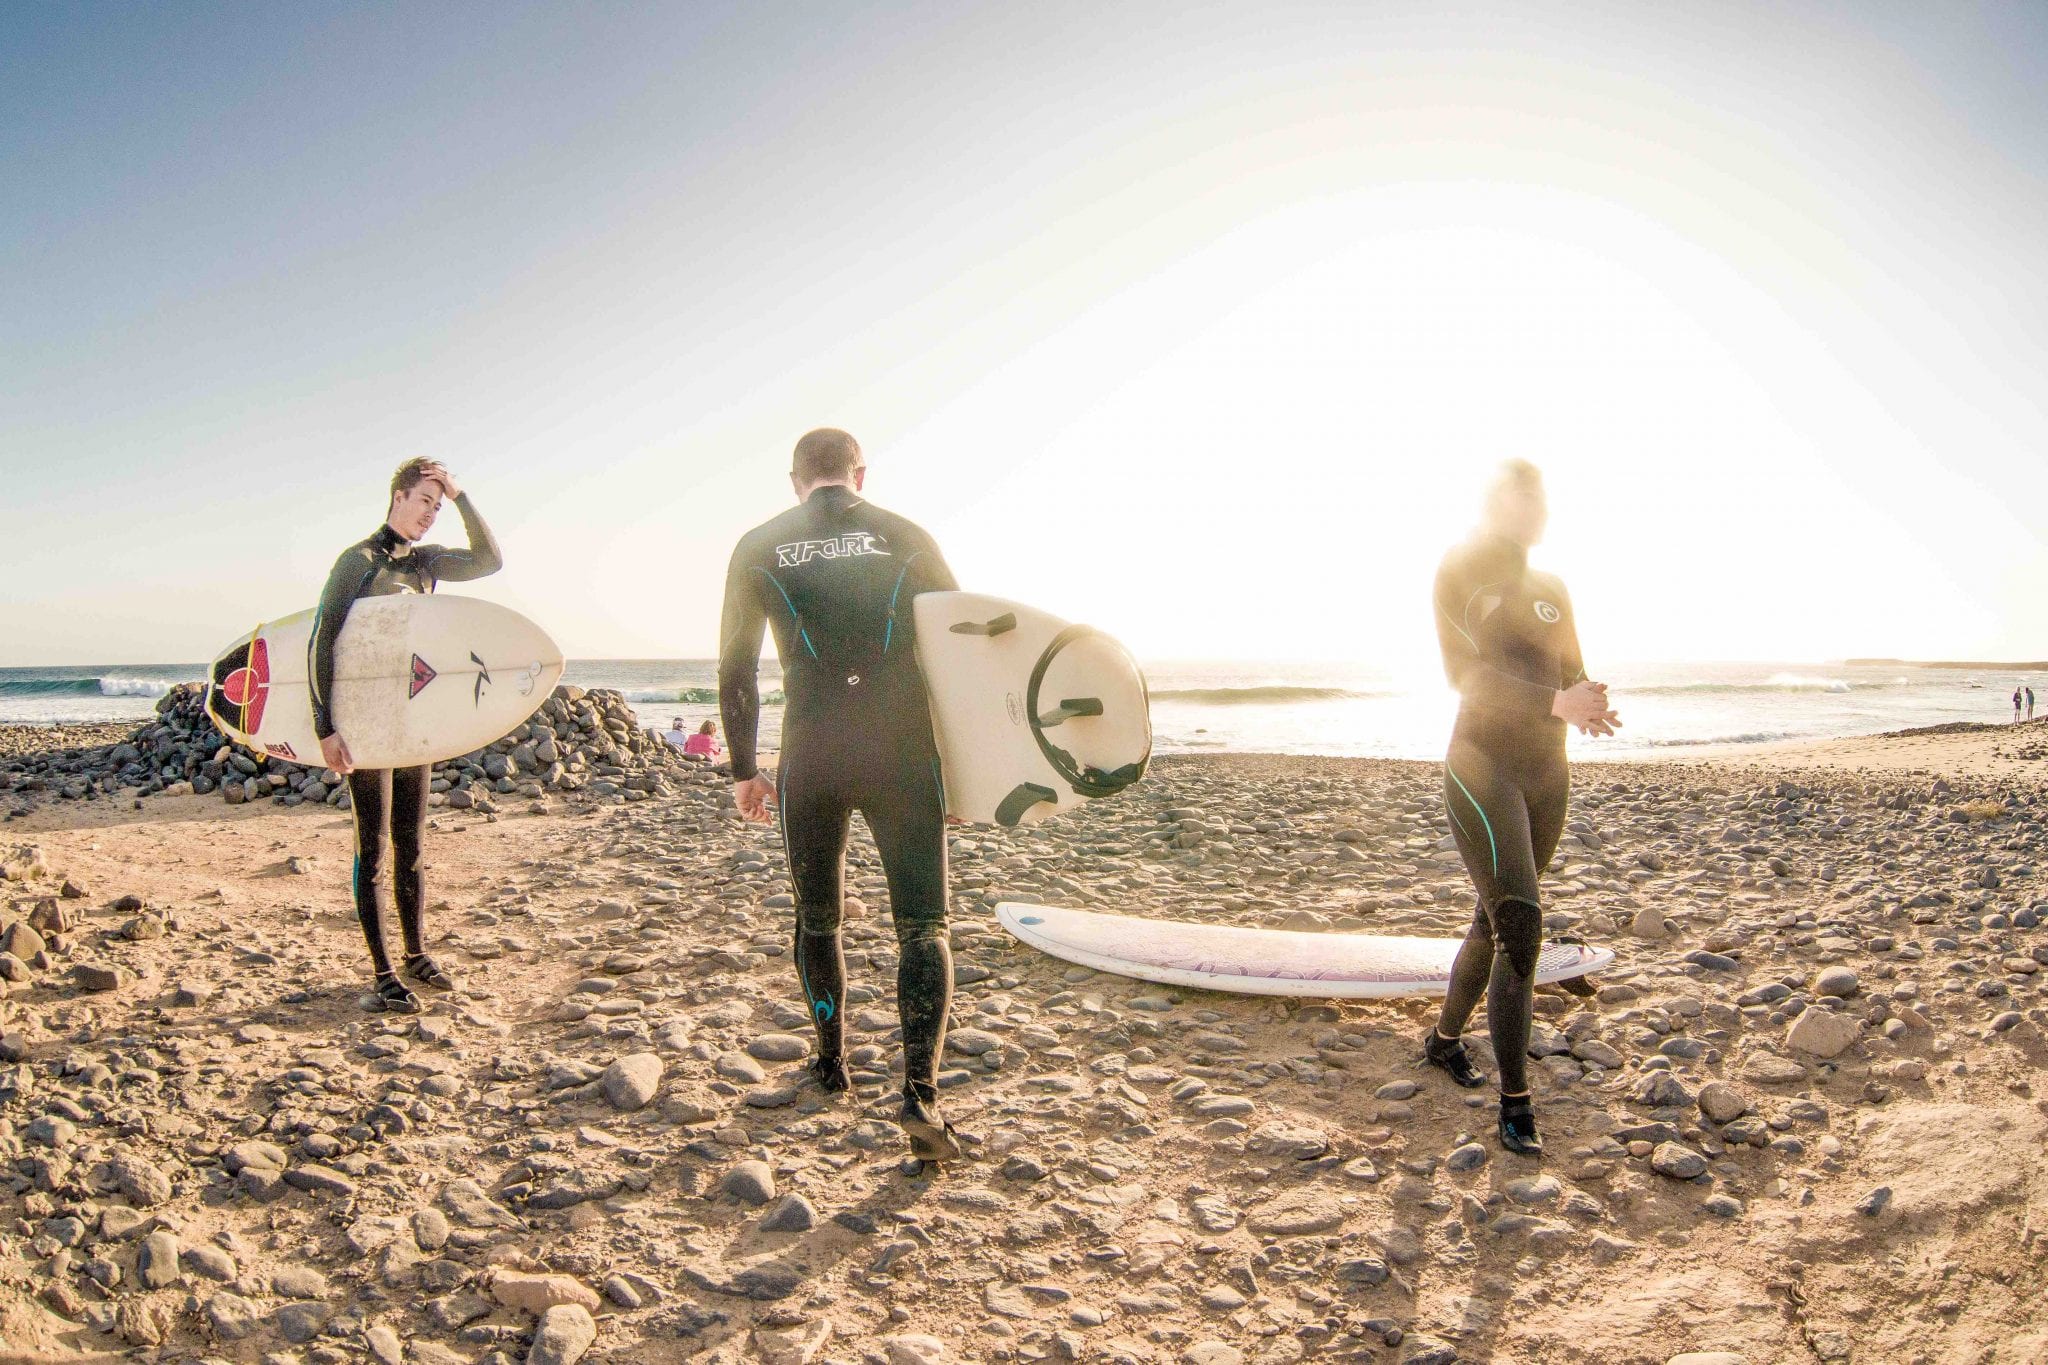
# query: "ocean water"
48, 696
1218, 707
1665, 708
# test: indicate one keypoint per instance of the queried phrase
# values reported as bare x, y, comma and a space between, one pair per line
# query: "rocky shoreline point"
579, 741
1801, 1120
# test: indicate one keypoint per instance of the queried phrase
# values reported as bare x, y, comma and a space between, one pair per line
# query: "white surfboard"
1228, 957
417, 679
1032, 715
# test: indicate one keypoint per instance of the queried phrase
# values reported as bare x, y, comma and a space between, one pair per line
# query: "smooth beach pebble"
1839, 982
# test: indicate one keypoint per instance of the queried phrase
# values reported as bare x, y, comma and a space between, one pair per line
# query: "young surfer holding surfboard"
1511, 649
834, 578
392, 800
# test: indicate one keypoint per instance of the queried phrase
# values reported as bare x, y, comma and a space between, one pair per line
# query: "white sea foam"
134, 687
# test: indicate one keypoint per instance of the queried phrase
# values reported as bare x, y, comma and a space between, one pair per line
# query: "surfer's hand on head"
754, 796
335, 751
438, 472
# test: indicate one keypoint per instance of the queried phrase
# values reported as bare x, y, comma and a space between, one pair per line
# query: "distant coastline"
2025, 666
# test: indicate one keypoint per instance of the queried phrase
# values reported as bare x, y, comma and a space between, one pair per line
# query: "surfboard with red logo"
417, 679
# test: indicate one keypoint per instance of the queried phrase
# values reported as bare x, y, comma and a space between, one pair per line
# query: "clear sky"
1198, 322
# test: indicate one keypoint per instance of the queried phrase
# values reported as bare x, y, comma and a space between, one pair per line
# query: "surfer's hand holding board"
334, 750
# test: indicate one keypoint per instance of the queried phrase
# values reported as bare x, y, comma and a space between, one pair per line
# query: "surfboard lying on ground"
417, 679
1032, 715
1228, 957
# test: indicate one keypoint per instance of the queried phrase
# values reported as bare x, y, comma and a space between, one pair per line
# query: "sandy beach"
1801, 1121
1186, 422
1993, 751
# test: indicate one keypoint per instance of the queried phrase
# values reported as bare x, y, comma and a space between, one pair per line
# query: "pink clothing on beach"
702, 746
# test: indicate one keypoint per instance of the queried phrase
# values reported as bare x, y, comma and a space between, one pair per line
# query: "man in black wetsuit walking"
382, 799
834, 577
1511, 648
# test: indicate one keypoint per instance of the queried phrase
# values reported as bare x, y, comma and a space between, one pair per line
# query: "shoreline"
1686, 711
1931, 744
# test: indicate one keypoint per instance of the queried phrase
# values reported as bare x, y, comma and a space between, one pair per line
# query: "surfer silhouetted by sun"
1511, 649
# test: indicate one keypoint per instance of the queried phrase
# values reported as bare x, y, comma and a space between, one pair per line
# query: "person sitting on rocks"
704, 744
392, 800
677, 736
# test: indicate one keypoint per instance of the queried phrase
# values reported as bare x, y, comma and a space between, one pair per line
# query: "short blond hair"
410, 475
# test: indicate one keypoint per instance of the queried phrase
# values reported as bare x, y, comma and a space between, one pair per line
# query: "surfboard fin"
1106, 783
1023, 797
991, 628
1070, 708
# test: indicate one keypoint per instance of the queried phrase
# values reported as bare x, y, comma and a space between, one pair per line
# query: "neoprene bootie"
1448, 1056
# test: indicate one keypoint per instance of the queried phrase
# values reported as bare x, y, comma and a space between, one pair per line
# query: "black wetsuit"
393, 798
1509, 645
834, 577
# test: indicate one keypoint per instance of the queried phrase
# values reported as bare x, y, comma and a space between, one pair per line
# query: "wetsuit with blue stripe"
388, 800
1509, 646
834, 578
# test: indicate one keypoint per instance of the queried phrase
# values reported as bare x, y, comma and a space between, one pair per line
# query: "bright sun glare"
1321, 395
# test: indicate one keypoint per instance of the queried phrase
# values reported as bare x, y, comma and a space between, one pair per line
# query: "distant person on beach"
1511, 649
2030, 703
703, 744
2016, 706
677, 735
392, 800
834, 577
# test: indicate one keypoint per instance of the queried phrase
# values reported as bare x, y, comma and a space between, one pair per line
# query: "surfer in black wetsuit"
1511, 648
834, 577
393, 799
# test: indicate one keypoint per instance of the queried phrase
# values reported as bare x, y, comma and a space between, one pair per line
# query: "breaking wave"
85, 687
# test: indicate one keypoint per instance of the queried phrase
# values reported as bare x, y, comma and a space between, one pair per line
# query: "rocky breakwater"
578, 742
